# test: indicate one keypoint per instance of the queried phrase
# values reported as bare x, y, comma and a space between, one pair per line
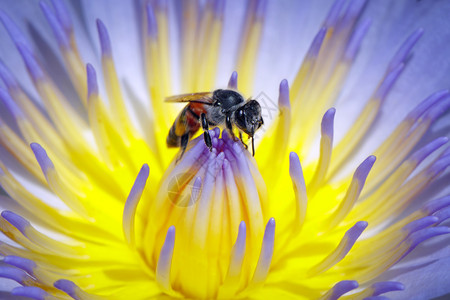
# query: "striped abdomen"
187, 122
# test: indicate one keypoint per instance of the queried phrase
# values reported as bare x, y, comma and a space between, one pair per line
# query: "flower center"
216, 203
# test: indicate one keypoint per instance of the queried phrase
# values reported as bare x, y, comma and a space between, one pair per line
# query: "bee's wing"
205, 98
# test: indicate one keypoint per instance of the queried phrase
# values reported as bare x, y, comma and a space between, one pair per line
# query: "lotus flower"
96, 205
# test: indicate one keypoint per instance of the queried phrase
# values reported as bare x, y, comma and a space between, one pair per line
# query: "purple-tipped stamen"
388, 82
129, 210
340, 289
425, 105
165, 260
301, 197
295, 168
15, 220
22, 263
32, 292
439, 166
58, 30
327, 123
363, 170
437, 110
14, 32
405, 49
265, 258
377, 298
425, 151
283, 98
316, 44
42, 158
383, 287
326, 146
334, 13
15, 274
442, 215
435, 205
7, 77
63, 15
218, 8
352, 235
260, 9
238, 252
10, 104
105, 41
67, 287
232, 83
196, 189
341, 250
152, 25
356, 40
31, 63
92, 85
422, 235
354, 9
420, 224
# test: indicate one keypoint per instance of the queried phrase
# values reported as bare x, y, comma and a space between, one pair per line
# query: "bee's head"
248, 117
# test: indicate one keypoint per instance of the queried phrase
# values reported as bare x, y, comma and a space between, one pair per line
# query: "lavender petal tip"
58, 30
442, 215
32, 65
341, 288
364, 168
105, 42
422, 153
420, 224
10, 104
13, 273
91, 80
388, 82
232, 83
15, 220
152, 26
41, 156
327, 122
376, 298
283, 100
316, 44
386, 286
7, 77
13, 30
23, 263
356, 40
436, 204
405, 49
32, 292
63, 15
68, 287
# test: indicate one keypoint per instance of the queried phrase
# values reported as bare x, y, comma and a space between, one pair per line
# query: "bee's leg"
183, 144
206, 135
240, 137
230, 127
253, 145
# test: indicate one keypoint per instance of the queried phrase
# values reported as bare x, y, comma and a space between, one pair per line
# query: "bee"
218, 108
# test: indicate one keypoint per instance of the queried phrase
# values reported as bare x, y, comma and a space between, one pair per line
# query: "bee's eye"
218, 103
